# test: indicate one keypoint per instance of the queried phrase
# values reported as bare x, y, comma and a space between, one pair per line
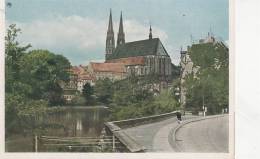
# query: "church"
140, 58
123, 59
137, 58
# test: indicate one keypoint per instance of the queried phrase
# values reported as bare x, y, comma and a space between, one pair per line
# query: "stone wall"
116, 128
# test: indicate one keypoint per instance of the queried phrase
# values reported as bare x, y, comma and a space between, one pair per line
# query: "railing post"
113, 143
35, 143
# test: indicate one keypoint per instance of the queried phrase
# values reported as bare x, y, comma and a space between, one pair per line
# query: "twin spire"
110, 41
121, 34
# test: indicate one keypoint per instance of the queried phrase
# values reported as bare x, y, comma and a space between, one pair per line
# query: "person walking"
178, 114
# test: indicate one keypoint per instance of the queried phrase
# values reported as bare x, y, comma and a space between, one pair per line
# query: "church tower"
110, 41
121, 34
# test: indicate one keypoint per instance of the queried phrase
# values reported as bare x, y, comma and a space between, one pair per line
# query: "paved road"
155, 136
210, 135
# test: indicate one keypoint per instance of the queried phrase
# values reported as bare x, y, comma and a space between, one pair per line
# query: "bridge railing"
115, 128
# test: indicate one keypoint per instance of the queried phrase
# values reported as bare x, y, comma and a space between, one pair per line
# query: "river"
70, 122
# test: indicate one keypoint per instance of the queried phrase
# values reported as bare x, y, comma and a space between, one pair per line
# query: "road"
210, 135
155, 136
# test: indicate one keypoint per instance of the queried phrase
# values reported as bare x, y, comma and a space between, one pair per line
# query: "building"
70, 88
83, 79
83, 76
124, 59
78, 78
113, 71
143, 57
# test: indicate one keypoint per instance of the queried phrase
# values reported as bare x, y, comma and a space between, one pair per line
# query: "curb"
117, 129
173, 140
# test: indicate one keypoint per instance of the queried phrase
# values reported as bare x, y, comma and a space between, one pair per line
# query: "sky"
77, 28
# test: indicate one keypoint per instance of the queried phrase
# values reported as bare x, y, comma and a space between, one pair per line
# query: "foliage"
21, 114
165, 101
43, 70
104, 90
78, 100
175, 71
87, 93
31, 83
209, 86
134, 97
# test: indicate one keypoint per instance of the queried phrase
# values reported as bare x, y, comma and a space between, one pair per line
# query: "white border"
123, 155
2, 78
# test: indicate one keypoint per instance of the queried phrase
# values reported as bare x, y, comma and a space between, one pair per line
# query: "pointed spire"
150, 34
110, 24
121, 29
121, 34
110, 41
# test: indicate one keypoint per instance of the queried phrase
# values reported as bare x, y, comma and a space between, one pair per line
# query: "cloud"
135, 30
79, 36
64, 32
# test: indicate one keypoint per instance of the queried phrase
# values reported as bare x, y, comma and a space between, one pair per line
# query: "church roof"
138, 48
108, 67
139, 60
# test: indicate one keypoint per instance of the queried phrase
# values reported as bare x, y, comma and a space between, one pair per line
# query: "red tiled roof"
108, 67
129, 61
78, 69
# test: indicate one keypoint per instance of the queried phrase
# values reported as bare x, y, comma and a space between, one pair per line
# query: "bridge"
162, 133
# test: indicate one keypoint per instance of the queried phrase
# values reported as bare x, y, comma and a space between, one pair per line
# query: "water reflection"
77, 122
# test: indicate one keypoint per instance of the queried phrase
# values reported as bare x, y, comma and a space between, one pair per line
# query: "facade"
112, 71
83, 76
83, 79
70, 88
78, 78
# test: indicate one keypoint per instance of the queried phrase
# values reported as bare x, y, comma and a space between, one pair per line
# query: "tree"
104, 90
87, 92
13, 55
44, 71
32, 83
175, 71
134, 97
209, 86
78, 100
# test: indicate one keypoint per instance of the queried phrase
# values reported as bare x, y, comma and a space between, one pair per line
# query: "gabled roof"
108, 67
78, 69
139, 60
138, 48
